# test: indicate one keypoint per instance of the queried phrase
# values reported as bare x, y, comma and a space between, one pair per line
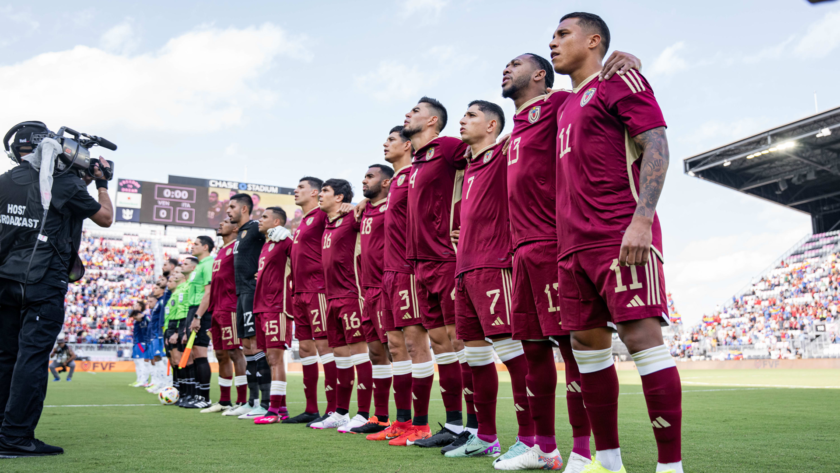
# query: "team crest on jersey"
338, 222
271, 247
587, 96
309, 220
534, 114
430, 154
383, 208
228, 251
244, 233
401, 180
488, 156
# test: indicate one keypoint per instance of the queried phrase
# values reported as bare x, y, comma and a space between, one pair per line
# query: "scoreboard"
163, 204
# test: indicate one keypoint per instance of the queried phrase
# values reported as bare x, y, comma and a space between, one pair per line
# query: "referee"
198, 319
32, 311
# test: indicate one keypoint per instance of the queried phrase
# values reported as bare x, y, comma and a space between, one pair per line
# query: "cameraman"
32, 301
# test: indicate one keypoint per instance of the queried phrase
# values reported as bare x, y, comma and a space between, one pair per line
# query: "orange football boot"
411, 435
395, 430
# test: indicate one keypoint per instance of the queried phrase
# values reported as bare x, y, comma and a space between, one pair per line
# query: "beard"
515, 88
372, 192
409, 132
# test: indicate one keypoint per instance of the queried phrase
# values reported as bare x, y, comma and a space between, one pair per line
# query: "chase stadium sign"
243, 186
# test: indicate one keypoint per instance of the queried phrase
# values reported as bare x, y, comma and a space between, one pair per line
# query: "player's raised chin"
571, 45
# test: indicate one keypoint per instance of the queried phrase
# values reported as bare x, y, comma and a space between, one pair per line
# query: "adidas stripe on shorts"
483, 303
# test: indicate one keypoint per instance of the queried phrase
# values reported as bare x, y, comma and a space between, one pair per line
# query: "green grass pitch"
734, 421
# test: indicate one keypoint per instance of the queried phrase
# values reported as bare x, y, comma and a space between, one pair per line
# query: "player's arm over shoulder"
631, 97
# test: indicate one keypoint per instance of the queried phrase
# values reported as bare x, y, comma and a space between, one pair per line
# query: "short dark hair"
492, 109
206, 241
399, 129
314, 182
244, 200
543, 64
279, 212
191, 258
438, 109
387, 170
173, 261
340, 187
594, 22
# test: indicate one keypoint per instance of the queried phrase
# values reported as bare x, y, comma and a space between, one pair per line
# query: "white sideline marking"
788, 386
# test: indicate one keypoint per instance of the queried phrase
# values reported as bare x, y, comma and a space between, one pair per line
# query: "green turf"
727, 427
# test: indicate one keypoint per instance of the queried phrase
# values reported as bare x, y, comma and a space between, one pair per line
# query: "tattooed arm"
635, 246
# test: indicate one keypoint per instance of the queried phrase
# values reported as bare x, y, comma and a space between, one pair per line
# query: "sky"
268, 92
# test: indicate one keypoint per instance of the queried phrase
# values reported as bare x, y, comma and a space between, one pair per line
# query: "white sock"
278, 388
402, 367
455, 428
138, 365
610, 459
472, 430
422, 370
677, 467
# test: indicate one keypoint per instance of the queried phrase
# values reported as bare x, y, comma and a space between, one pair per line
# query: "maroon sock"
451, 385
518, 369
578, 418
663, 395
310, 387
402, 391
486, 382
469, 389
241, 393
364, 386
224, 391
330, 378
275, 402
421, 391
345, 378
600, 394
541, 383
381, 396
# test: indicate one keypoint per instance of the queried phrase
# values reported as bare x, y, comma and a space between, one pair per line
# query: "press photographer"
43, 203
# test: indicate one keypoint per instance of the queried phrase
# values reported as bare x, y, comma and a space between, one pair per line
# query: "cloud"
16, 24
120, 39
232, 149
431, 9
773, 52
201, 81
822, 37
23, 18
669, 62
392, 80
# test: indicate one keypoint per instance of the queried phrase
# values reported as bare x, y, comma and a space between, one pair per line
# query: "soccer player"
413, 369
153, 352
138, 347
339, 253
226, 342
199, 318
174, 316
160, 379
376, 321
609, 239
483, 295
272, 308
246, 255
536, 318
187, 268
310, 302
433, 212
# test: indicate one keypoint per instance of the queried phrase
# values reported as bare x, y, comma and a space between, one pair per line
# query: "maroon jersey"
484, 241
308, 274
434, 193
223, 281
339, 255
598, 163
531, 180
372, 230
272, 270
396, 221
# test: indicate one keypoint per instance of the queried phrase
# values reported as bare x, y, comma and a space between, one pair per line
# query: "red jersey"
598, 162
434, 192
273, 269
484, 241
372, 230
223, 282
531, 180
339, 255
396, 222
308, 273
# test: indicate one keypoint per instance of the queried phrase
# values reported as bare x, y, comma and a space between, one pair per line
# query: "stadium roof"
796, 165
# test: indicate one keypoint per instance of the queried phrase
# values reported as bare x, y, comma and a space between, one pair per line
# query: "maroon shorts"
482, 304
399, 293
344, 322
223, 330
310, 311
536, 302
436, 292
596, 292
274, 331
374, 320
